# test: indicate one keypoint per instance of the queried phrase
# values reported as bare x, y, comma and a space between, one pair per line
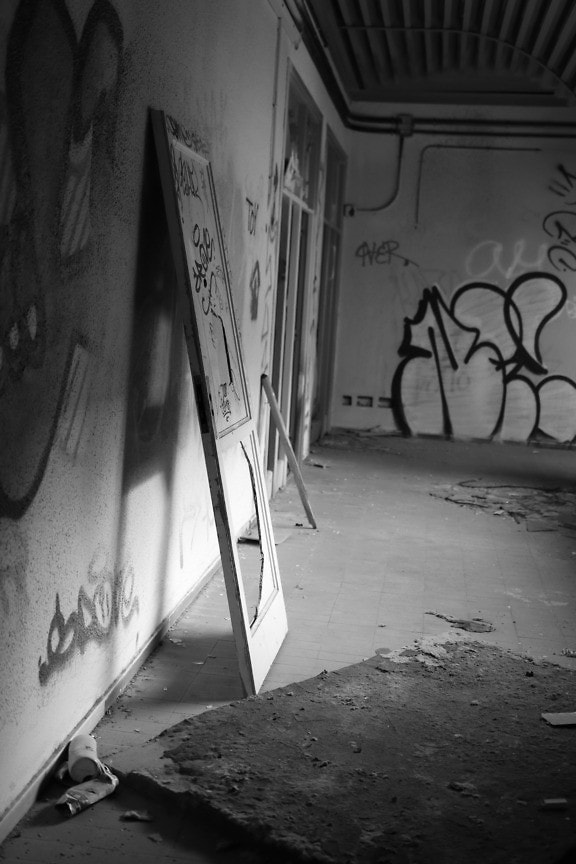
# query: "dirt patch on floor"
535, 507
434, 754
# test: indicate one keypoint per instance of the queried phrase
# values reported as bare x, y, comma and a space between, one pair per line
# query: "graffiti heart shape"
60, 102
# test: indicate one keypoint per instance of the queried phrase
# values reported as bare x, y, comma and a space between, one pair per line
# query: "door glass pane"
255, 548
296, 406
302, 146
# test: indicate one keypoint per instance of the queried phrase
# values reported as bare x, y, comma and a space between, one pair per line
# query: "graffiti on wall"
196, 526
383, 253
111, 600
490, 258
473, 367
57, 121
271, 229
254, 291
560, 224
252, 216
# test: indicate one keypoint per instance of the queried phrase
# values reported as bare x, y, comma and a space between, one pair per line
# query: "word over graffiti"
381, 253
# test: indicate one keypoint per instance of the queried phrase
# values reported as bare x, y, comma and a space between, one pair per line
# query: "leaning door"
255, 599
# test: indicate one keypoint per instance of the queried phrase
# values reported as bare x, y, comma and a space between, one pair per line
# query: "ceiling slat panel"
486, 46
414, 39
431, 43
526, 34
545, 33
505, 35
377, 43
513, 51
565, 38
401, 16
466, 41
359, 44
328, 19
448, 39
475, 25
395, 40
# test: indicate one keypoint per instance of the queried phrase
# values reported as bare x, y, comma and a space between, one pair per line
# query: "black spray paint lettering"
460, 362
181, 133
560, 225
95, 617
272, 227
185, 175
381, 253
265, 336
225, 406
565, 186
254, 291
252, 216
205, 247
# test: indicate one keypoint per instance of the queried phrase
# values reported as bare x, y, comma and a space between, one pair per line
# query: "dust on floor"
436, 754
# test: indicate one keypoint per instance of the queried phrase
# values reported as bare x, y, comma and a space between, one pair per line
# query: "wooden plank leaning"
292, 461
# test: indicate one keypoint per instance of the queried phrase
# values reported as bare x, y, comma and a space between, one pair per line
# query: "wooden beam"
292, 461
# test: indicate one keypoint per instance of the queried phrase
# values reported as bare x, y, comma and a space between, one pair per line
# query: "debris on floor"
434, 758
252, 536
136, 816
554, 804
536, 507
84, 795
83, 763
472, 625
562, 718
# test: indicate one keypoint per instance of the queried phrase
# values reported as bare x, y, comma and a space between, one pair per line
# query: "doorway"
329, 280
295, 262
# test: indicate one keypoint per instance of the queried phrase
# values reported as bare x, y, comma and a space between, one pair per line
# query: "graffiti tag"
252, 216
489, 257
187, 180
381, 253
254, 291
204, 246
473, 366
560, 225
96, 615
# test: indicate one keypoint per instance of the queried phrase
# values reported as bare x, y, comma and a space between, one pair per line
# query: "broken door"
226, 420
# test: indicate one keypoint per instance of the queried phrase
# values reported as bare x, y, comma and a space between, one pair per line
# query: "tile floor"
386, 554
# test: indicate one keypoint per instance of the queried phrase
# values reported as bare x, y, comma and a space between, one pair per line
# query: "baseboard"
27, 798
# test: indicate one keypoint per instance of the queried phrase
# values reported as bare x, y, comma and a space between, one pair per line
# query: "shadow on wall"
155, 383
156, 398
58, 120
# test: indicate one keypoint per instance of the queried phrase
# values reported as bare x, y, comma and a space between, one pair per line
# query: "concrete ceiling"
442, 52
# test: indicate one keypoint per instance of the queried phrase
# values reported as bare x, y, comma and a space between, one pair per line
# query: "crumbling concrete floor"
436, 754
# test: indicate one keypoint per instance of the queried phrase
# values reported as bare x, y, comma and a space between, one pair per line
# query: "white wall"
105, 516
497, 359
